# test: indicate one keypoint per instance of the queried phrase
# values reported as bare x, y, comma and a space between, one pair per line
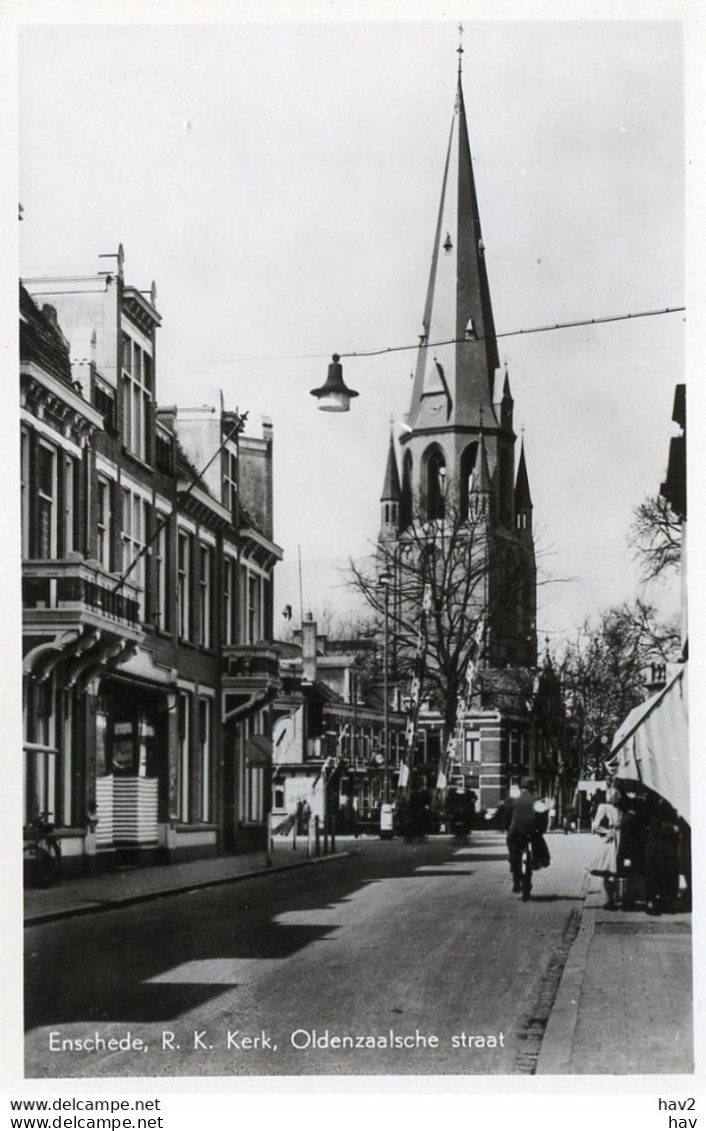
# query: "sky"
279, 181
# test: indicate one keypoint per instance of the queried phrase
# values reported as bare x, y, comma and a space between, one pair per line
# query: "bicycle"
526, 869
42, 851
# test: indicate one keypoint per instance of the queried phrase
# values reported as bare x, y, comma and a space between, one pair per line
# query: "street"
401, 958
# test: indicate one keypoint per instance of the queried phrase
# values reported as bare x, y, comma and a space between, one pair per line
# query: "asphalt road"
403, 958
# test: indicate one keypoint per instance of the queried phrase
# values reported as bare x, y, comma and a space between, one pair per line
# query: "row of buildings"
147, 562
161, 722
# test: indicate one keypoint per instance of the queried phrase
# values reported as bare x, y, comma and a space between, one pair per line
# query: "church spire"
390, 497
454, 382
523, 498
391, 490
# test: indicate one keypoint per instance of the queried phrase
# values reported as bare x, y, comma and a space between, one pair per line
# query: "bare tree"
473, 577
603, 672
656, 538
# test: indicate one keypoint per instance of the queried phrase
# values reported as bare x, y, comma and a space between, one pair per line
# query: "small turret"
523, 499
390, 497
479, 488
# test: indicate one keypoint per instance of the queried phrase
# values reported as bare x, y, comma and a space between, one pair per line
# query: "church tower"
458, 448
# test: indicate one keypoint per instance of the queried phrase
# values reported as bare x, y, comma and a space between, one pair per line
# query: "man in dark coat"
523, 821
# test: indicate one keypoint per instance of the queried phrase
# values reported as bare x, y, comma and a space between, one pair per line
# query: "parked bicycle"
42, 852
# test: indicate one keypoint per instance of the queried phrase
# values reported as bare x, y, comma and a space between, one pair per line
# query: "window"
467, 475
243, 605
183, 785
104, 400
230, 481
133, 537
255, 793
204, 756
471, 749
406, 502
24, 484
160, 596
41, 754
183, 572
515, 747
163, 453
253, 609
137, 397
230, 602
104, 523
69, 508
435, 484
205, 596
46, 479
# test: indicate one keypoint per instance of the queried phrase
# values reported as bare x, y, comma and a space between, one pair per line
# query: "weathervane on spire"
459, 49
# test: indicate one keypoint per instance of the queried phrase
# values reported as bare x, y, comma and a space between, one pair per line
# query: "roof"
186, 468
523, 498
41, 339
481, 480
391, 490
459, 375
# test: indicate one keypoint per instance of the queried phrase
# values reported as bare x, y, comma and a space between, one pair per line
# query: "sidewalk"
89, 894
624, 1003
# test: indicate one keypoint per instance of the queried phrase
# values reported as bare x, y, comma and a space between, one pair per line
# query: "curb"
556, 1050
34, 920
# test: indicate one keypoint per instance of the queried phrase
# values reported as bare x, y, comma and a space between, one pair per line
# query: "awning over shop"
651, 746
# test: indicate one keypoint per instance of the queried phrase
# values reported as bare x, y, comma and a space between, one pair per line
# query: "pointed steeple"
390, 498
480, 486
391, 489
481, 474
523, 498
454, 382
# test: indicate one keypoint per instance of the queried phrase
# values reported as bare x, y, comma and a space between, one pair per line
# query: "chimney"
309, 649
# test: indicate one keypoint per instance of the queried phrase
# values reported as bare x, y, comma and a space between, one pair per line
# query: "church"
456, 517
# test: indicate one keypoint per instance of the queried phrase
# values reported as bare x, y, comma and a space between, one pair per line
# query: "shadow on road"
556, 898
117, 966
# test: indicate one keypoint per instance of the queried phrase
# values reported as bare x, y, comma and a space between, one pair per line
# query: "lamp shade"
334, 396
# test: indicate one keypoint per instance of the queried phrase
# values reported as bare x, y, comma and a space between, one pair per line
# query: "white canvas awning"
652, 745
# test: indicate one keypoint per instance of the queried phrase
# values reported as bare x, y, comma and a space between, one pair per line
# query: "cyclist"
523, 818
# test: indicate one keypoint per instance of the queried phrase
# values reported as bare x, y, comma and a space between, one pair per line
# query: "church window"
467, 474
406, 505
435, 484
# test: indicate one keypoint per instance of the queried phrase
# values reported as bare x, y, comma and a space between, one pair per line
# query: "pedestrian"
606, 823
662, 860
526, 818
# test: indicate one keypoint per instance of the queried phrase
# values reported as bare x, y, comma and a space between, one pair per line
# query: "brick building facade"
147, 567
